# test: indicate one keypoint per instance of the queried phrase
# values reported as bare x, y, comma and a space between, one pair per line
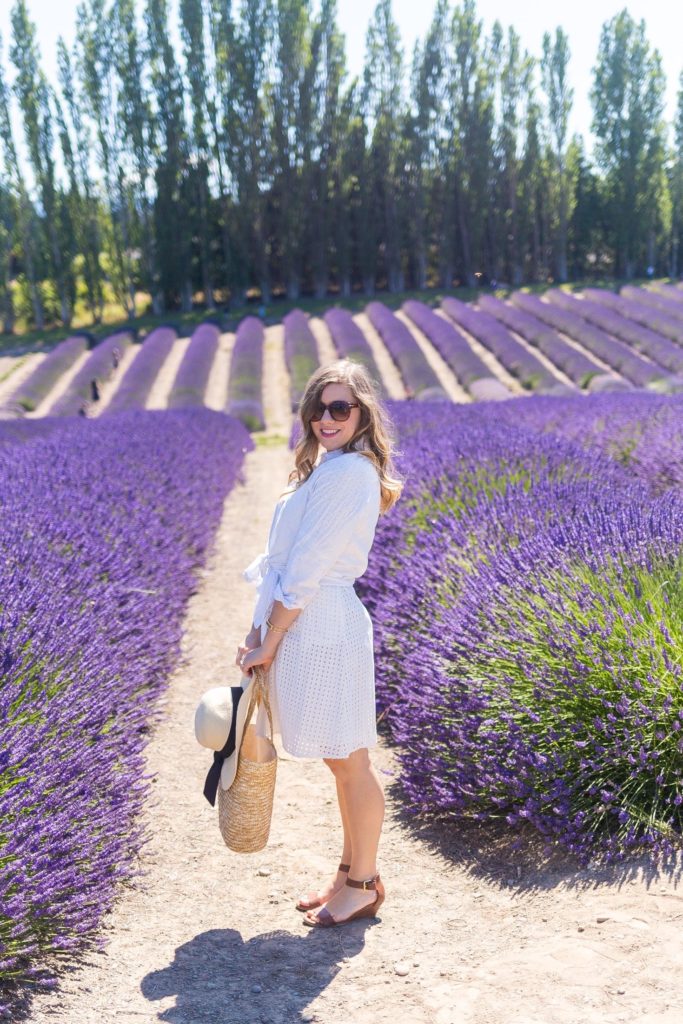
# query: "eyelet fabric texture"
322, 679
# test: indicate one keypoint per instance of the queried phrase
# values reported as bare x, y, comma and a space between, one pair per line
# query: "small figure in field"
94, 390
116, 356
83, 411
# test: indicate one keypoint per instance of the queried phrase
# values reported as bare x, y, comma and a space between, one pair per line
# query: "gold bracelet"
278, 629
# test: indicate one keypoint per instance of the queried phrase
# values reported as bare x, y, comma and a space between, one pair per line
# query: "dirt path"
15, 370
108, 388
160, 390
445, 376
391, 375
216, 395
487, 357
327, 352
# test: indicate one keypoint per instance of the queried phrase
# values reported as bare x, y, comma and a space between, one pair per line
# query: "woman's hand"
259, 656
252, 641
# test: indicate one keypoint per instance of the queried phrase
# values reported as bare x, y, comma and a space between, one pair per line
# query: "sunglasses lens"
340, 411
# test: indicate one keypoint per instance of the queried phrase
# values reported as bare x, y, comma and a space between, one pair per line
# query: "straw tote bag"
245, 810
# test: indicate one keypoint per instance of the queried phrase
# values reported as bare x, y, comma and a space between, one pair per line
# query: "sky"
580, 19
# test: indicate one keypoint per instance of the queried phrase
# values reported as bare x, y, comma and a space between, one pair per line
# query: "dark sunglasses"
339, 410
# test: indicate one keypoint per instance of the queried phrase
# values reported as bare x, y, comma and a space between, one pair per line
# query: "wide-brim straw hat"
219, 724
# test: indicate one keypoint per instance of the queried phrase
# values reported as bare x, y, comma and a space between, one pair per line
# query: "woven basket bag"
245, 810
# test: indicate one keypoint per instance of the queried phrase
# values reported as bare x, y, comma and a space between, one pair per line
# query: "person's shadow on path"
270, 979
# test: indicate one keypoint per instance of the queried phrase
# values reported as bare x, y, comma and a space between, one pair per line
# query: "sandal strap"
344, 867
368, 883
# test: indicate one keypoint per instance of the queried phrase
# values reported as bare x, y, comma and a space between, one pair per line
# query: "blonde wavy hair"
374, 438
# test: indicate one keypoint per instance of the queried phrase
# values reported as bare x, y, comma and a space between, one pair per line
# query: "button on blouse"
320, 535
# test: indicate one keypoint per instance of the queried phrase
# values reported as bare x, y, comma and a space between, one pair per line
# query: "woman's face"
329, 432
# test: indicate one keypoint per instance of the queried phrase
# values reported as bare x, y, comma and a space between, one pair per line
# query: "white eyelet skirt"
322, 679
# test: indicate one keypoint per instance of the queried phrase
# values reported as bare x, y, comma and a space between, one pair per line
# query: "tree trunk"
369, 285
203, 246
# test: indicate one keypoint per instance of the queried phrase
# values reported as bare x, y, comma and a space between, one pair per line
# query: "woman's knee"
343, 768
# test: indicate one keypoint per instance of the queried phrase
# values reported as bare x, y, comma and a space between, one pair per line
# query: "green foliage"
245, 162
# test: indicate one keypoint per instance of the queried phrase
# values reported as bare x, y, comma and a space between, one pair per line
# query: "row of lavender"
555, 345
634, 339
525, 592
188, 389
104, 524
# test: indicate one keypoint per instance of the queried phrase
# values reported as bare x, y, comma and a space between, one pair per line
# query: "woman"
312, 628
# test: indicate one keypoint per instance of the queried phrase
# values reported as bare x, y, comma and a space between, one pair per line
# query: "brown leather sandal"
311, 904
324, 919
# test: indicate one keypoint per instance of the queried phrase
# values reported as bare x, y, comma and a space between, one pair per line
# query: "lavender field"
560, 343
525, 591
104, 525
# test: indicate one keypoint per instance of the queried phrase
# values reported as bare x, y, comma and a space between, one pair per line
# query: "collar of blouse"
326, 456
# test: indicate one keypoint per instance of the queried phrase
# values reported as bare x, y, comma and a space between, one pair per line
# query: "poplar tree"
472, 94
137, 133
516, 69
559, 97
628, 104
18, 200
34, 97
382, 102
95, 52
172, 202
677, 188
291, 122
329, 186
424, 130
192, 31
85, 208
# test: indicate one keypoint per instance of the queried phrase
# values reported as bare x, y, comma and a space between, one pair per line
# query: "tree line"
247, 159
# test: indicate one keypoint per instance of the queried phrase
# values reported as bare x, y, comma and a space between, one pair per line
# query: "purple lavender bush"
99, 367
656, 299
663, 352
415, 371
613, 352
672, 292
642, 313
105, 523
351, 343
471, 372
38, 386
578, 367
516, 359
245, 383
189, 386
526, 623
301, 353
137, 382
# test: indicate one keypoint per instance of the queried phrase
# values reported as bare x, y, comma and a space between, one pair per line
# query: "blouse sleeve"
338, 502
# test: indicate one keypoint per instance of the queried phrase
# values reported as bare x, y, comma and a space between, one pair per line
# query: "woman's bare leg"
346, 851
363, 803
340, 877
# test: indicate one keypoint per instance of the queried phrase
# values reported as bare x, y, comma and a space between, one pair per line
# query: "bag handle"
259, 696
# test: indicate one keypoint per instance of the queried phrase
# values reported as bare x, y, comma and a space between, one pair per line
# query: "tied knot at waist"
257, 570
265, 573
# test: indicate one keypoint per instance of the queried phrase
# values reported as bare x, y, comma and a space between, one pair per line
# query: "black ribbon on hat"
219, 756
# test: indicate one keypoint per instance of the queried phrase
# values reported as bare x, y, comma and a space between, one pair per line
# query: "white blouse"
321, 533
